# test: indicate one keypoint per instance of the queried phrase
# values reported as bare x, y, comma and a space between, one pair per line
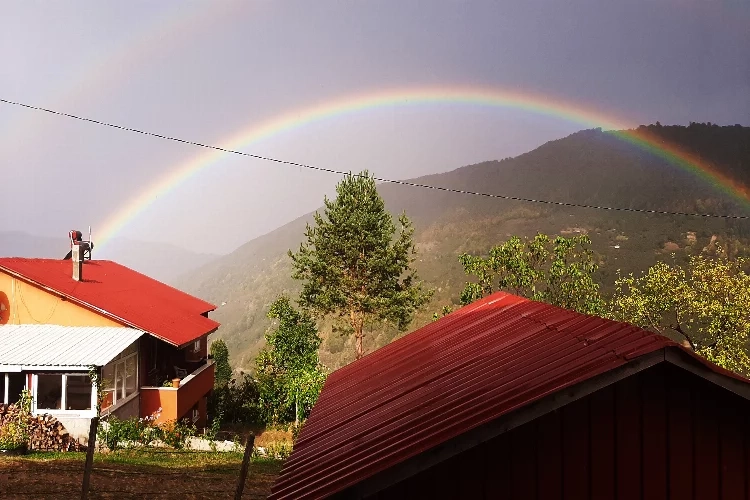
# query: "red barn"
510, 398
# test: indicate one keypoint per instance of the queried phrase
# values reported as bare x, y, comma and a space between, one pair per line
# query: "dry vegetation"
135, 474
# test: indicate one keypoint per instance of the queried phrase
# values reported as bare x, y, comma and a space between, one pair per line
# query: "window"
11, 386
15, 383
120, 377
49, 391
63, 391
77, 392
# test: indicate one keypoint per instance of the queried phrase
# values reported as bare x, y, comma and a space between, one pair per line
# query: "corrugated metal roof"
469, 368
23, 346
123, 294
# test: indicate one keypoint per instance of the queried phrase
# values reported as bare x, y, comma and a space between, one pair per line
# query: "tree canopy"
558, 271
356, 264
289, 373
704, 303
222, 368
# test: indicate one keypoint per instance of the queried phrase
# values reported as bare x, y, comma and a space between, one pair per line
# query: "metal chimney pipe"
77, 251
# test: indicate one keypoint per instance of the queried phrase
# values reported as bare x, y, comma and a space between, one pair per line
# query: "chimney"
77, 251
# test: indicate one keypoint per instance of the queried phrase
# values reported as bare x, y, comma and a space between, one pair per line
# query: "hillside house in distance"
514, 399
58, 318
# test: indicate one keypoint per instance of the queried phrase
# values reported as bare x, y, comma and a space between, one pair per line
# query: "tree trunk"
358, 335
358, 325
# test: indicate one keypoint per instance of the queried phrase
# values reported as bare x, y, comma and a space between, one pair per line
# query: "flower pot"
175, 382
18, 450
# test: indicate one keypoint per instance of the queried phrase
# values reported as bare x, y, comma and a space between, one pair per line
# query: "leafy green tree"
705, 304
356, 264
222, 368
289, 373
558, 271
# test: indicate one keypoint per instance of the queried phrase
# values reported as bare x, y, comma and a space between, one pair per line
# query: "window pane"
78, 396
49, 392
108, 376
119, 381
16, 385
130, 375
108, 385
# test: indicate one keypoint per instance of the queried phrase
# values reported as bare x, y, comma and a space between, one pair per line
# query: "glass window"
108, 386
119, 381
49, 392
120, 377
78, 392
130, 375
16, 385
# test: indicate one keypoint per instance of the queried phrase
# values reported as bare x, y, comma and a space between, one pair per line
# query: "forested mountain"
589, 167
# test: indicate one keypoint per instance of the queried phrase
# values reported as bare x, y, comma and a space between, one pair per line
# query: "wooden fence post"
89, 458
245, 463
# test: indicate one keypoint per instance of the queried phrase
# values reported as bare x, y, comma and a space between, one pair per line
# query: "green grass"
149, 457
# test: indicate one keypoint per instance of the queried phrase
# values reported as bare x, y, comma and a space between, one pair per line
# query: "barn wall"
662, 434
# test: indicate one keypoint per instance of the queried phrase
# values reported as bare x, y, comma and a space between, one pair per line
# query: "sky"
203, 71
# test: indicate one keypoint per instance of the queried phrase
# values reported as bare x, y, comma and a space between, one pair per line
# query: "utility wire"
381, 179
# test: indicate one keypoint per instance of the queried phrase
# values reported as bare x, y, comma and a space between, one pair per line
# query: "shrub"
176, 434
14, 430
236, 402
279, 450
115, 433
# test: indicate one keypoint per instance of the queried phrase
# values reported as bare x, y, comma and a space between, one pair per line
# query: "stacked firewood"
45, 431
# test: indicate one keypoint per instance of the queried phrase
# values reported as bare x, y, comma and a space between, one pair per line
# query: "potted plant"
175, 382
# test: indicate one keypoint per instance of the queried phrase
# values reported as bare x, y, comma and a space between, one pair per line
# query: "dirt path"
58, 479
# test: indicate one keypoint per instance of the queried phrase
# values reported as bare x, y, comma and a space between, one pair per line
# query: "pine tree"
355, 262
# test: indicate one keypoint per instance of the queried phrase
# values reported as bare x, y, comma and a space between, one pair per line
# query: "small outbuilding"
514, 399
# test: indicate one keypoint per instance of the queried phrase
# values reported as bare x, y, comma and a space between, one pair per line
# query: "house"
510, 398
60, 318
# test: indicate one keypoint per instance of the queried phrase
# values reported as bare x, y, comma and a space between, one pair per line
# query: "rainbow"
487, 97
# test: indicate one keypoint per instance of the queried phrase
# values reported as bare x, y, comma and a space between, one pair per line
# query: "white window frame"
63, 397
118, 399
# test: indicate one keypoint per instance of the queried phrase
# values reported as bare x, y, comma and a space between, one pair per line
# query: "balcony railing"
176, 402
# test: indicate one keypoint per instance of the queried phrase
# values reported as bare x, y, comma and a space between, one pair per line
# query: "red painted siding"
664, 433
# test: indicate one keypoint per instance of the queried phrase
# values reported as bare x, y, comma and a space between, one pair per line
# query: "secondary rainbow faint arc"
489, 97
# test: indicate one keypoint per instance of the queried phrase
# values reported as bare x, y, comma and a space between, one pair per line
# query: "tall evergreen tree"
356, 264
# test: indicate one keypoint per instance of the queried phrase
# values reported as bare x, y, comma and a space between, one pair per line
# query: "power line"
381, 179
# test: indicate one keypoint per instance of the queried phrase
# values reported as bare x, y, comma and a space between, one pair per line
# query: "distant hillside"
588, 167
161, 261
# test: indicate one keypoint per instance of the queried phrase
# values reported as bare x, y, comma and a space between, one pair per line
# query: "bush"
14, 429
236, 402
176, 434
116, 433
279, 450
13, 435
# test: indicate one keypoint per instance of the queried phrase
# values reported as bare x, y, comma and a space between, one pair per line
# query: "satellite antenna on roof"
76, 238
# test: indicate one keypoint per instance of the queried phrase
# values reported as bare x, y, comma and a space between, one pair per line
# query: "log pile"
46, 433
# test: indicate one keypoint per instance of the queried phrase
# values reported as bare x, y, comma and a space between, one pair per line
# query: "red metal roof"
469, 368
122, 294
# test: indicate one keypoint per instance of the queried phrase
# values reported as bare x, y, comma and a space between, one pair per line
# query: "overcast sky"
205, 70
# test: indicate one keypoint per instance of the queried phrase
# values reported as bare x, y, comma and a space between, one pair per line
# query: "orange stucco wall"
22, 303
176, 403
